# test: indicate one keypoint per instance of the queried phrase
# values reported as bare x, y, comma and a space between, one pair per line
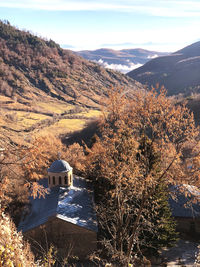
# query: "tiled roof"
59, 166
183, 205
73, 204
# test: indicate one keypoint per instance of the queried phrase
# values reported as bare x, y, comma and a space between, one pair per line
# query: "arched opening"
49, 179
60, 180
54, 181
65, 179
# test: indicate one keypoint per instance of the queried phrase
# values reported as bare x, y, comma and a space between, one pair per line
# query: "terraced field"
21, 121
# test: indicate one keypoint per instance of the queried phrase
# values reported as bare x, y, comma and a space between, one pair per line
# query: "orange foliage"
143, 143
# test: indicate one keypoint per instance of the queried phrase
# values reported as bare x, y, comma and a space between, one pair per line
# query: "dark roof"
73, 204
183, 205
59, 166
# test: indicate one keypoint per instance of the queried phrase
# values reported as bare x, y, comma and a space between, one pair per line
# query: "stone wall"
188, 226
69, 238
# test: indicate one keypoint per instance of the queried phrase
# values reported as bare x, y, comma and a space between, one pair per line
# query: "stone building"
65, 217
185, 206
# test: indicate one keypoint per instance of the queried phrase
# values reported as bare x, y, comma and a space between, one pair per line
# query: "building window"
54, 181
49, 180
60, 180
65, 179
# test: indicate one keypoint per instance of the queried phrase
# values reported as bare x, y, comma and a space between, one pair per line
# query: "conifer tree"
158, 227
161, 232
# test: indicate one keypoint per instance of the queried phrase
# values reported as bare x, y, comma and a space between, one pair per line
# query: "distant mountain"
121, 60
178, 72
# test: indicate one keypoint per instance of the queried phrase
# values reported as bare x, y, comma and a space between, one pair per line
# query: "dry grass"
55, 107
4, 98
90, 113
16, 118
70, 124
64, 126
27, 119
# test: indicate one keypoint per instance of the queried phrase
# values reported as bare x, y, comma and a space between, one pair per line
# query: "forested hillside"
32, 67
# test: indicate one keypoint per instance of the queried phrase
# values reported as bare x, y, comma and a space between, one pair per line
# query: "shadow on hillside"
85, 135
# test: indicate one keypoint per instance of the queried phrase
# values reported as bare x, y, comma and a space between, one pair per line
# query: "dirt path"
183, 254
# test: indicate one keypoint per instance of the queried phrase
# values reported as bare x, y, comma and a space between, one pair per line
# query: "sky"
158, 25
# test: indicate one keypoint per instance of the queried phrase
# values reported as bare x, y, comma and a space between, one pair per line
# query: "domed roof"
60, 166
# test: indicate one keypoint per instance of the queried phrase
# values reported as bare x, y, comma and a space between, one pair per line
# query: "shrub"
14, 251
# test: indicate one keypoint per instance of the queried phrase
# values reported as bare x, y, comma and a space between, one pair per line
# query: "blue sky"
160, 25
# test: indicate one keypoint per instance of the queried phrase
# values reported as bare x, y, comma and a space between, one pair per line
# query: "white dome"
60, 166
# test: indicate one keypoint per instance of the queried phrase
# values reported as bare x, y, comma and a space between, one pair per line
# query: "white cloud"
64, 5
153, 56
166, 39
169, 8
118, 67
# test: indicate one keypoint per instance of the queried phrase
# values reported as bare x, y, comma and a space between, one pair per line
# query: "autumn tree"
14, 251
74, 154
21, 167
123, 168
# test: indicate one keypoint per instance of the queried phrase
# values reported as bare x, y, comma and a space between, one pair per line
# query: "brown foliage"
22, 166
142, 145
76, 157
20, 169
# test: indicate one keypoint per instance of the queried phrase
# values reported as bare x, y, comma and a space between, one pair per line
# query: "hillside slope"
43, 85
32, 67
178, 72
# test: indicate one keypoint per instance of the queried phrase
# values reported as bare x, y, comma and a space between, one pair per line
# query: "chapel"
65, 217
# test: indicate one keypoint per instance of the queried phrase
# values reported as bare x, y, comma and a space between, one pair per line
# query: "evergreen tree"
161, 231
158, 227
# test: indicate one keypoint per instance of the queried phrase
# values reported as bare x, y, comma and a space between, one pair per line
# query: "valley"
44, 88
145, 150
19, 121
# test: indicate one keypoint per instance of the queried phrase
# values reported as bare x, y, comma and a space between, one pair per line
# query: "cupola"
60, 174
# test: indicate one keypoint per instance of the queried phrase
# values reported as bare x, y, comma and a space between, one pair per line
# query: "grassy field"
27, 119
55, 107
64, 126
19, 120
91, 113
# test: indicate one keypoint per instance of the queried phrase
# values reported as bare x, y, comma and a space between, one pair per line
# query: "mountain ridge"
178, 72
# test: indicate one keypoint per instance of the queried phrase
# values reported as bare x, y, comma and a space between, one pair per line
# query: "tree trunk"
134, 231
